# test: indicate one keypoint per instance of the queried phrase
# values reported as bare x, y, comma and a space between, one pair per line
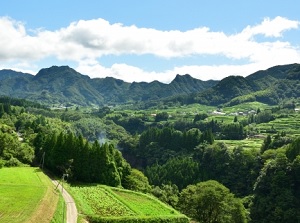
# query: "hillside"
271, 86
64, 85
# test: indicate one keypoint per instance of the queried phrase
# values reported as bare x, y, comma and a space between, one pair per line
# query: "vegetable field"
107, 202
142, 204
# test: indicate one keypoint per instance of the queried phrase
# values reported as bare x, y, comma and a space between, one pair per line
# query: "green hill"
64, 85
271, 86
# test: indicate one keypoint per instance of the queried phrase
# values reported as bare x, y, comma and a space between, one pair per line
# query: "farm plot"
290, 125
96, 200
142, 204
24, 195
107, 202
245, 144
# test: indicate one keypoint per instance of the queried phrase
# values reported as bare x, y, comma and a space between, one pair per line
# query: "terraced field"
290, 125
103, 202
26, 196
245, 144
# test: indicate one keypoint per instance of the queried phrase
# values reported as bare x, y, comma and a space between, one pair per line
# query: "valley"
235, 138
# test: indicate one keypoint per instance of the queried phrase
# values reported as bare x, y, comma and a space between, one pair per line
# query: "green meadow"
26, 194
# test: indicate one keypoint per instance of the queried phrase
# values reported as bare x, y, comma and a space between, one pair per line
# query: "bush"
166, 219
2, 163
13, 162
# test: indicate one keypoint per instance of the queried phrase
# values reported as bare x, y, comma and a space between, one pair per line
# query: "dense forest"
185, 162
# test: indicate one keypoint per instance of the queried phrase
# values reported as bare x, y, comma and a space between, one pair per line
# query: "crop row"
144, 205
98, 201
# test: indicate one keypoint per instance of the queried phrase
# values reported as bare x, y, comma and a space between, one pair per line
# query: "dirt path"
72, 213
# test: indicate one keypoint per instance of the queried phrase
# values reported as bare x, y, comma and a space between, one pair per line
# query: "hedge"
130, 219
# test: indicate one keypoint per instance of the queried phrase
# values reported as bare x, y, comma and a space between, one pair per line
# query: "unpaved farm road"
72, 213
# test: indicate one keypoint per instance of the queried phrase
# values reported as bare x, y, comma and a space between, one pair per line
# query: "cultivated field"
110, 203
245, 144
290, 124
27, 195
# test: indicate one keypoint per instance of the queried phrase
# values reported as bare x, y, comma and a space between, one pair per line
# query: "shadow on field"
38, 170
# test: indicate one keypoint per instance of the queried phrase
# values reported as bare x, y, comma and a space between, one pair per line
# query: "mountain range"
64, 85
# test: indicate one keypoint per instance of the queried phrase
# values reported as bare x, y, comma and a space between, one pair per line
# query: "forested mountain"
64, 85
271, 86
7, 74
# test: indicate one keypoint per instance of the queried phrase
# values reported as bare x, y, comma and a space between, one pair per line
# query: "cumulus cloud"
271, 28
86, 41
124, 72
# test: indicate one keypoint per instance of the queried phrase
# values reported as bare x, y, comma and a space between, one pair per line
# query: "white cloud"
216, 72
271, 28
124, 72
86, 41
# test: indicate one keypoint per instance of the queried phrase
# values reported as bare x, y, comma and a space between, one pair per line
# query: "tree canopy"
211, 202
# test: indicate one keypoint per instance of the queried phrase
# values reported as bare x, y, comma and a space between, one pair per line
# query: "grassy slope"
113, 202
26, 196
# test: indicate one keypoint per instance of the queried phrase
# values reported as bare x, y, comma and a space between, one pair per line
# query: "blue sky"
150, 40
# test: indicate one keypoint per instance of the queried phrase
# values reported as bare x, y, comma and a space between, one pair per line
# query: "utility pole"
42, 161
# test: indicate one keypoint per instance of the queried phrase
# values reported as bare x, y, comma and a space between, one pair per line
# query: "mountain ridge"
267, 86
64, 85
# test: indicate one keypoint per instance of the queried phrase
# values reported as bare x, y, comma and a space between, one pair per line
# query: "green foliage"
293, 150
210, 201
264, 116
162, 116
180, 171
276, 142
199, 117
266, 144
181, 219
137, 181
276, 191
241, 100
236, 169
66, 153
131, 124
13, 151
158, 145
233, 131
167, 193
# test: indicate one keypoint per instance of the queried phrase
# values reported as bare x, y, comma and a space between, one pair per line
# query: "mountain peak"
59, 72
182, 77
53, 70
